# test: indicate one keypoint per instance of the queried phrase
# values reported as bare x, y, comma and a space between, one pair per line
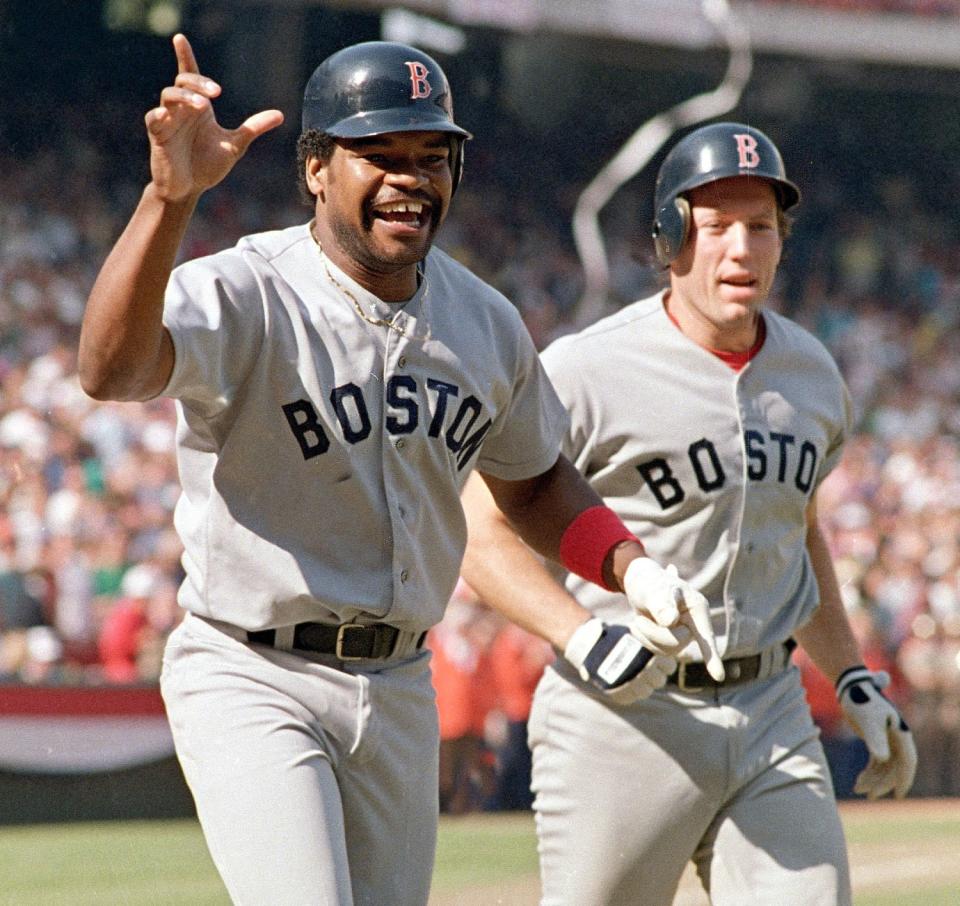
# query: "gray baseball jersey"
713, 469
321, 457
710, 468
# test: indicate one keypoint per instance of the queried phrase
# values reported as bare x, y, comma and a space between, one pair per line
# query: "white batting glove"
612, 659
670, 600
893, 753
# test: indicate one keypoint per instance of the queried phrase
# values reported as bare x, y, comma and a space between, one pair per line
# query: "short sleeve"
844, 427
525, 439
214, 312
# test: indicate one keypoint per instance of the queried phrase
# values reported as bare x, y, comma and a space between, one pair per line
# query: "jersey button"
402, 361
404, 575
401, 444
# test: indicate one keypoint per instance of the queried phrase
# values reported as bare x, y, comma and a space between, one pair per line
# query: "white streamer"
642, 145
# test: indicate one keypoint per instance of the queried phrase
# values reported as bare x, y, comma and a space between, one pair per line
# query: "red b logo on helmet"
420, 87
747, 151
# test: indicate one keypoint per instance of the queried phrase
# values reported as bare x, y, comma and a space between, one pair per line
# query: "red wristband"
589, 538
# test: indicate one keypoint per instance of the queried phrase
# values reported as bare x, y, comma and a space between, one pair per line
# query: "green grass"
165, 863
921, 837
865, 829
134, 863
947, 895
483, 849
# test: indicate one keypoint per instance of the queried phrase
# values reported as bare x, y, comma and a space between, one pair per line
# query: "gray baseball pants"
315, 785
734, 779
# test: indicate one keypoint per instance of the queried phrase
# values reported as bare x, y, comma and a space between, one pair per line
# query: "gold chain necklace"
378, 322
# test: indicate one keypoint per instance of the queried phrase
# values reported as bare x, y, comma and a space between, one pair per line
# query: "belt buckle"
682, 679
338, 648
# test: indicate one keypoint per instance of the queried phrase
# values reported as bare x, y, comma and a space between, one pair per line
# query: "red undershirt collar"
734, 360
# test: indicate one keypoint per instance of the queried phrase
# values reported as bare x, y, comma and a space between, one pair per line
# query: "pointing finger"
186, 61
697, 617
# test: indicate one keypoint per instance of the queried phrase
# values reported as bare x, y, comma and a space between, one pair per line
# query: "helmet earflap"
456, 160
670, 229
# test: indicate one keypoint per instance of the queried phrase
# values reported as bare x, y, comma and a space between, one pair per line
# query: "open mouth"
411, 214
740, 284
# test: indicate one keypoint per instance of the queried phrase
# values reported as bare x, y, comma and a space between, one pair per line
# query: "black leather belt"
347, 641
737, 669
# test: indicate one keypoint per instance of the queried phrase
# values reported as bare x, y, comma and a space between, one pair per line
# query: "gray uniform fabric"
713, 470
321, 460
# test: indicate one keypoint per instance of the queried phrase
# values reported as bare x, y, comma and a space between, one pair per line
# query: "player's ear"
315, 174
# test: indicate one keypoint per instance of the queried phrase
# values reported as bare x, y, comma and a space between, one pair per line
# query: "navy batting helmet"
378, 87
707, 154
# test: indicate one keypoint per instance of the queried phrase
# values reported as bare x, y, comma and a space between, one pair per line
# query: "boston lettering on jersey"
776, 454
403, 415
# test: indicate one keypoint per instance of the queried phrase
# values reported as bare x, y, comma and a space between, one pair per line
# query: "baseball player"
707, 423
336, 383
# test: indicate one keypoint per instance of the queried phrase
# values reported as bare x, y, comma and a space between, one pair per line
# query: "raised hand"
189, 150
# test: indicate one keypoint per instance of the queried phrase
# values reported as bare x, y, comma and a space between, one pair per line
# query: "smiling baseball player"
708, 424
336, 383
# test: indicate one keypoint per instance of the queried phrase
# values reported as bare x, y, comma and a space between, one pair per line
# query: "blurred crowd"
89, 560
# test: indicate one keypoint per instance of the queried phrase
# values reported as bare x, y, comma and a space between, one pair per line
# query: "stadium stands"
87, 490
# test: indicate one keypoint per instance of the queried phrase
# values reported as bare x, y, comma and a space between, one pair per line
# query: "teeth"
401, 207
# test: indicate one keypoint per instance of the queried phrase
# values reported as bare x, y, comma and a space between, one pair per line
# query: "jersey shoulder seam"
247, 245
797, 333
630, 315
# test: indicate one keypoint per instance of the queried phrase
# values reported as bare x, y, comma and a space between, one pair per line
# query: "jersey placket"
399, 443
732, 594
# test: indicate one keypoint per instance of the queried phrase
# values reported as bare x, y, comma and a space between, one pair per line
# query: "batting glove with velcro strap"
893, 754
613, 660
671, 601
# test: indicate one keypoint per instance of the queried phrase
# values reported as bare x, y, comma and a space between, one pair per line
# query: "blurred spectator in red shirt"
125, 625
517, 659
465, 694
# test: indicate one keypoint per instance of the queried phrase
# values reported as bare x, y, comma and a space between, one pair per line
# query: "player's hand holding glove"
611, 658
893, 754
671, 601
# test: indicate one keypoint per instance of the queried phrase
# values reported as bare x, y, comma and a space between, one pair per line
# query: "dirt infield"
894, 847
907, 809
903, 846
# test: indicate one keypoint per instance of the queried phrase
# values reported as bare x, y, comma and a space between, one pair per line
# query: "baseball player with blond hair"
336, 383
707, 423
